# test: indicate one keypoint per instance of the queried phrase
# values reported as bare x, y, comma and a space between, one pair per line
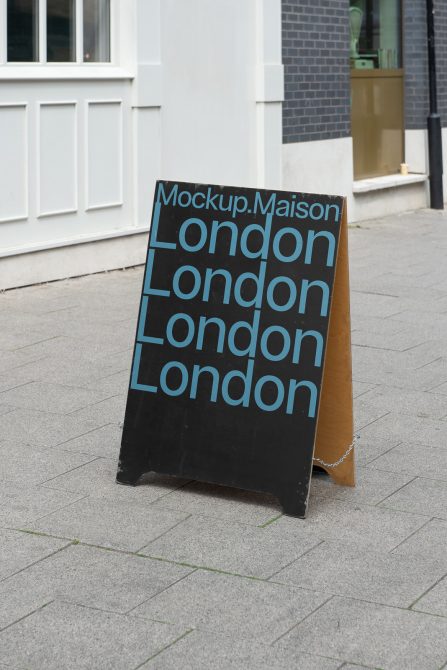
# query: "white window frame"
8, 70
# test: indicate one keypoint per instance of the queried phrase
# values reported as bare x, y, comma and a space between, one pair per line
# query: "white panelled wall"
193, 92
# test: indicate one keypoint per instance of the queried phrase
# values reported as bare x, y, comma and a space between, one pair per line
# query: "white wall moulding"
73, 261
104, 153
64, 72
72, 241
209, 107
416, 150
57, 175
146, 130
270, 83
147, 89
269, 93
388, 181
375, 204
14, 161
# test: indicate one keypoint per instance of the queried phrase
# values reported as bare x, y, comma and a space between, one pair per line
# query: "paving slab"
89, 576
201, 650
371, 487
18, 550
403, 339
399, 428
420, 496
359, 388
232, 547
116, 383
240, 606
20, 505
98, 479
435, 600
28, 465
4, 409
55, 398
16, 377
84, 639
103, 442
42, 429
101, 413
71, 368
223, 502
374, 635
354, 523
118, 525
428, 542
424, 404
413, 459
344, 570
367, 450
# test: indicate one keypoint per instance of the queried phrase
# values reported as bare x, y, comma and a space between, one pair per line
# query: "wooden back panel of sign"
183, 417
334, 439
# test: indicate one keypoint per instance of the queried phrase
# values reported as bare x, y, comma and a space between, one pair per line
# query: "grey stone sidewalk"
177, 574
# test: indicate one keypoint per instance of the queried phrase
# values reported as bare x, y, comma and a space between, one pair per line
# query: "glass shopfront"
377, 87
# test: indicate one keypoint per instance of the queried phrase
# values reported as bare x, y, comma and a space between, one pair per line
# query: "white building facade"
100, 98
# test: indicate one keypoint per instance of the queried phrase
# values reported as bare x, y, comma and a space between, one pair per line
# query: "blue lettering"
259, 282
299, 337
286, 343
209, 274
182, 234
164, 374
280, 393
305, 286
252, 329
310, 244
298, 244
134, 383
265, 234
247, 378
148, 276
292, 294
196, 372
170, 330
293, 386
176, 282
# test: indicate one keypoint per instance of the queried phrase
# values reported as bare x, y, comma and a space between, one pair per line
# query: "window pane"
61, 42
22, 26
96, 31
375, 34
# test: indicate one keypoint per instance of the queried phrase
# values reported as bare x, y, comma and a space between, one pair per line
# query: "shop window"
377, 87
61, 44
23, 30
73, 31
375, 34
96, 31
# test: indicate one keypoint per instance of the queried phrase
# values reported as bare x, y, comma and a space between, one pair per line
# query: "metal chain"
342, 458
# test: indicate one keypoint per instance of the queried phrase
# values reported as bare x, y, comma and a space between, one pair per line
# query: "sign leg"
128, 477
293, 503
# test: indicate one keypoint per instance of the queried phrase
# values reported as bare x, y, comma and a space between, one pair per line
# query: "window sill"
65, 71
389, 181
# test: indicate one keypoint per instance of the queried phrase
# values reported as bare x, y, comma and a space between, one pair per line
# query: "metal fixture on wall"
434, 119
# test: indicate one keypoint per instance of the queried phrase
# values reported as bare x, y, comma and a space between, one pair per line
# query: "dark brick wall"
441, 57
416, 65
316, 67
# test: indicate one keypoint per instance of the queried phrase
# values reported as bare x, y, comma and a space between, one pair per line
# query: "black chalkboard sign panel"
231, 338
